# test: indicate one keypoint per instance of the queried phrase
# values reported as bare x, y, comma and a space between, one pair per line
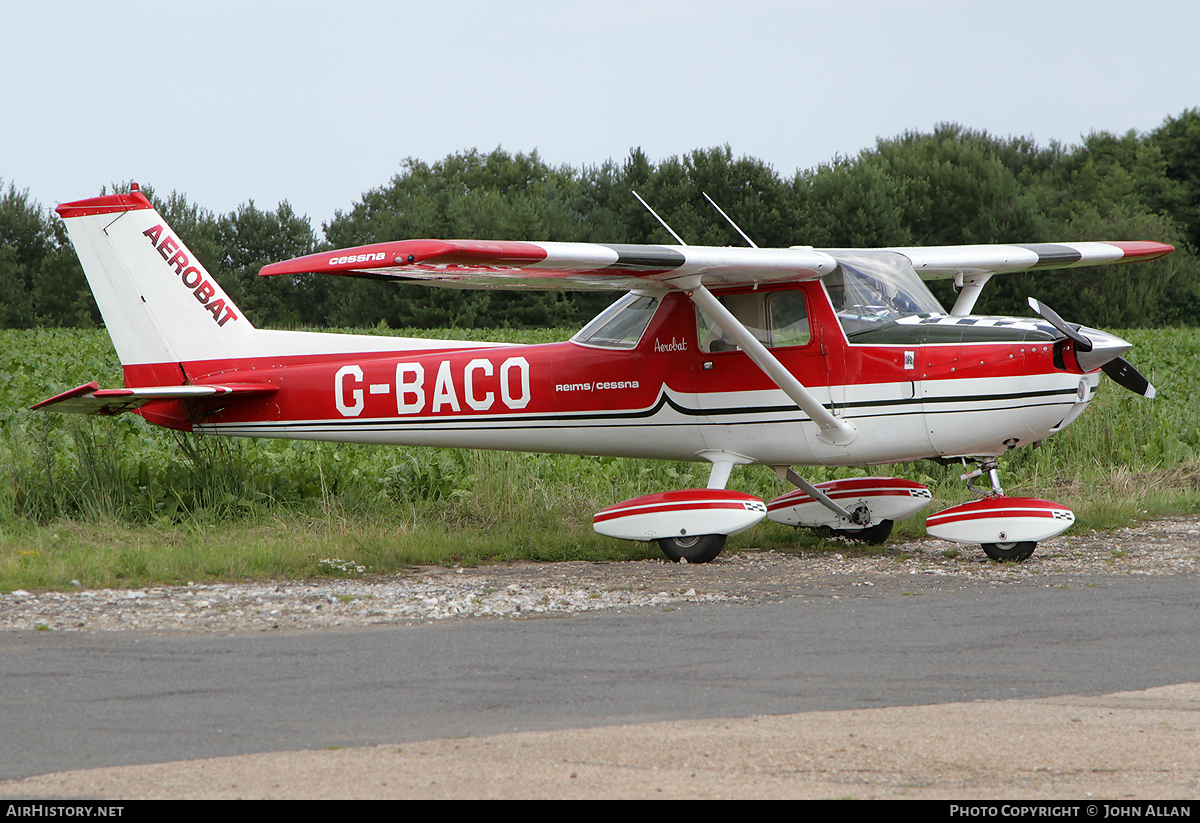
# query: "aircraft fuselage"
933, 386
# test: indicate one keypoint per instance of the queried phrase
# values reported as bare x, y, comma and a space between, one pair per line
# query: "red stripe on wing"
1141, 250
398, 253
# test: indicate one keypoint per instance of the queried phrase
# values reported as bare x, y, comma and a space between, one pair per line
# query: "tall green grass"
116, 501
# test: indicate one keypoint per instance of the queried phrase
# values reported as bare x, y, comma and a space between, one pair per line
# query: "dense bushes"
950, 186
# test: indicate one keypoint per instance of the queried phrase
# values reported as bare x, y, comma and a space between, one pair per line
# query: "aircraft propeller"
1100, 349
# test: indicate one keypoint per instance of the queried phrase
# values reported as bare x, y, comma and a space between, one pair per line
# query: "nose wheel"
1016, 524
1011, 552
698, 548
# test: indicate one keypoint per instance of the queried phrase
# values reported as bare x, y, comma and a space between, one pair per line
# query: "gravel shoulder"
527, 590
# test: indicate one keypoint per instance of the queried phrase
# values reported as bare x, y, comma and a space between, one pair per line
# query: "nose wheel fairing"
1000, 520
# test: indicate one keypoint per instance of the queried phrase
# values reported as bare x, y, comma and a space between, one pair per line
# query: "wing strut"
833, 431
786, 473
971, 285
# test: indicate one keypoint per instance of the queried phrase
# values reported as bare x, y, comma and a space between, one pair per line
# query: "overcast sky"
315, 103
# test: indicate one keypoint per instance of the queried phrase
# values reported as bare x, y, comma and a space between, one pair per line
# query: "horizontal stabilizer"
91, 399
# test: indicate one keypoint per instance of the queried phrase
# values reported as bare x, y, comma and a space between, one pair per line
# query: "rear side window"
621, 325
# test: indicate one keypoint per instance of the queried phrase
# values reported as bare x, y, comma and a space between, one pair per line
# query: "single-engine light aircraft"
733, 356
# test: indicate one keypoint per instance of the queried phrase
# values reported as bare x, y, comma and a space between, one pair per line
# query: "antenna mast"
745, 236
659, 219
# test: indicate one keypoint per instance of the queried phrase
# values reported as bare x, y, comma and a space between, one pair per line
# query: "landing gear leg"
861, 516
991, 467
999, 552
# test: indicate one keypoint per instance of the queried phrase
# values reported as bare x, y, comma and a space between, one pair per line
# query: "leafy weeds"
117, 501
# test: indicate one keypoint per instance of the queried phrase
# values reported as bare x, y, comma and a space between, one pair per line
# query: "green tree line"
949, 186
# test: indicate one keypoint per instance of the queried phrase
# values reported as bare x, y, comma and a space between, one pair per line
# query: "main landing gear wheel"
1013, 552
699, 548
874, 535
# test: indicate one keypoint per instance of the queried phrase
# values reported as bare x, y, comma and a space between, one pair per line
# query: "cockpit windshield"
871, 291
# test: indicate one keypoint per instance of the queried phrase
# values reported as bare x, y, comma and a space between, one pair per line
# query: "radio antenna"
726, 216
659, 219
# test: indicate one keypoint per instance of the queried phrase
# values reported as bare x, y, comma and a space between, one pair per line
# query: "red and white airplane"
734, 356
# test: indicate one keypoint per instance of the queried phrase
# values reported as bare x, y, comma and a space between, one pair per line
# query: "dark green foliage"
22, 227
1111, 188
41, 281
956, 189
249, 239
1178, 142
951, 186
1159, 292
494, 196
748, 190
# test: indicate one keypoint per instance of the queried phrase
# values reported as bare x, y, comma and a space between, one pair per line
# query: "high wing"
594, 266
943, 262
565, 266
695, 269
91, 399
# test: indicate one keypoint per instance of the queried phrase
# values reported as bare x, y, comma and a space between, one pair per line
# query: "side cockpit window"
776, 319
621, 325
789, 319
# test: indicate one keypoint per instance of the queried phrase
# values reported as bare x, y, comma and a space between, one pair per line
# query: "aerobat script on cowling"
734, 356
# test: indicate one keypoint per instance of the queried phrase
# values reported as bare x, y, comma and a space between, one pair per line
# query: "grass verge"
115, 502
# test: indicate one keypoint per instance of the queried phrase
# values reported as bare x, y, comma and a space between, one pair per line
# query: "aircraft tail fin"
159, 304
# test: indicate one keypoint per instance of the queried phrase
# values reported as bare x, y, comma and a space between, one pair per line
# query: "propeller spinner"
1098, 349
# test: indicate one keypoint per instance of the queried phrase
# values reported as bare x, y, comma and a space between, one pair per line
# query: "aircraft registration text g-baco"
412, 398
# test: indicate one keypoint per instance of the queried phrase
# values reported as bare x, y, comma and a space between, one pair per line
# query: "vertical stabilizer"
159, 304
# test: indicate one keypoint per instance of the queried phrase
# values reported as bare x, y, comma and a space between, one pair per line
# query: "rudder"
158, 302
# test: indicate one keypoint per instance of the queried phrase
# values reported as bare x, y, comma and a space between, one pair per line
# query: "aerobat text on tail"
732, 356
158, 301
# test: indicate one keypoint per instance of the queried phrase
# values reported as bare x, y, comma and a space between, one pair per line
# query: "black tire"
874, 535
1011, 552
700, 548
